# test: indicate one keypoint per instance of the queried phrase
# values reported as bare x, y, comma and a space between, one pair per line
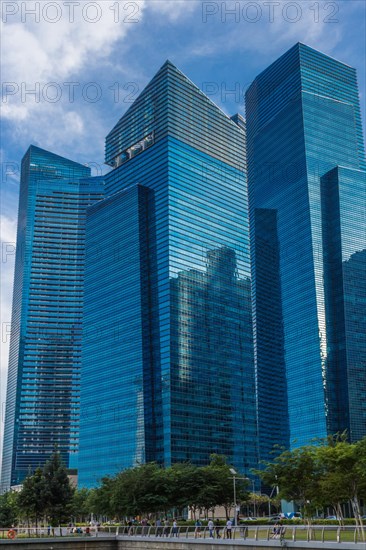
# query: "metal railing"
257, 533
285, 533
46, 532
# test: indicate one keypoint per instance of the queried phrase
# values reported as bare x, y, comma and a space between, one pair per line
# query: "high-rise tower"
167, 362
307, 196
42, 408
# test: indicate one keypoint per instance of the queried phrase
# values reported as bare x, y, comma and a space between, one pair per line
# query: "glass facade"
159, 325
167, 361
306, 177
273, 425
344, 236
42, 407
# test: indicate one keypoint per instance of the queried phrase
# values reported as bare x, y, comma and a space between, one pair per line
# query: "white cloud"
74, 119
309, 27
43, 57
44, 51
266, 28
8, 229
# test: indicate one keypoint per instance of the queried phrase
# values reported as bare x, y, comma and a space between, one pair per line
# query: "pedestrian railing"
44, 532
294, 533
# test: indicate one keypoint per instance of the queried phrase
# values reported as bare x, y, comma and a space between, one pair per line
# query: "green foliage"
151, 489
329, 473
32, 498
59, 491
100, 499
217, 488
80, 504
140, 490
184, 480
47, 492
295, 473
8, 509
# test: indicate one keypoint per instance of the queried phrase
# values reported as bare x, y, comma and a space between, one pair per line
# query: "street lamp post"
234, 474
253, 491
254, 495
269, 500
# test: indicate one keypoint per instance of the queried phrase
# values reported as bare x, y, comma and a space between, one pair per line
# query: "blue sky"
86, 62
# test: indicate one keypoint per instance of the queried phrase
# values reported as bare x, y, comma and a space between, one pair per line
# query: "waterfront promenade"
142, 543
111, 538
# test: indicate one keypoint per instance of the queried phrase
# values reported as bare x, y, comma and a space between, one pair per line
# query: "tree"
142, 490
296, 474
8, 509
331, 487
219, 481
185, 481
259, 503
31, 499
196, 489
151, 489
59, 491
100, 499
331, 472
80, 504
343, 474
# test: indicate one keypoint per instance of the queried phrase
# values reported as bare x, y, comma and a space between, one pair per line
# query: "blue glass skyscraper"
167, 360
42, 407
306, 178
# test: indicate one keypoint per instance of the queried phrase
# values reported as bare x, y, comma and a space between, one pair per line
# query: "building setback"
167, 361
42, 406
307, 196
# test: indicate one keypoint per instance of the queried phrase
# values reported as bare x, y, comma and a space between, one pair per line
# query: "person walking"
144, 527
159, 528
166, 527
210, 526
197, 531
217, 529
229, 526
175, 528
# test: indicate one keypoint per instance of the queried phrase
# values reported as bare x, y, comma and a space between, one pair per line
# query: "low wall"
141, 544
193, 545
119, 543
99, 543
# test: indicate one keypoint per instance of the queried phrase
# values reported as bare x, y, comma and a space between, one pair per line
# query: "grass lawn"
330, 533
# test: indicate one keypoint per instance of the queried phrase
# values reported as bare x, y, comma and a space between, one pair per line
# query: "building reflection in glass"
213, 395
